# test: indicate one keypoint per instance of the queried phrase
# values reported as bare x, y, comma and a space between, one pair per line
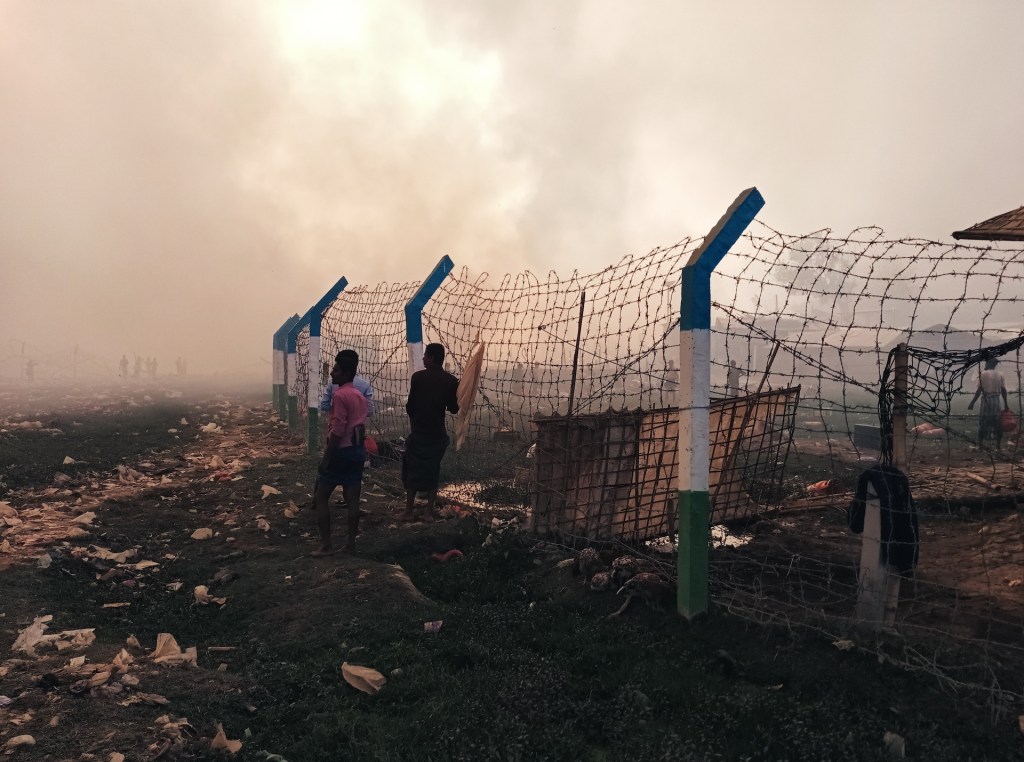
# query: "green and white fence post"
291, 371
316, 317
279, 395
414, 312
695, 402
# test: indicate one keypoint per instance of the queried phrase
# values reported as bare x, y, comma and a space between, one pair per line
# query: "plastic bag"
1008, 421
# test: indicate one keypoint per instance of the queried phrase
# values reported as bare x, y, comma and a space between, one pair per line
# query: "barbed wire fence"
574, 423
840, 308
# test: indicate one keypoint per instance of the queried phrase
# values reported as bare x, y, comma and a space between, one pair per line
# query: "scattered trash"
895, 745
363, 679
133, 642
204, 533
35, 636
824, 487
84, 518
566, 563
168, 652
121, 605
220, 741
203, 597
291, 511
116, 756
44, 561
432, 626
262, 524
928, 430
844, 645
106, 554
14, 743
149, 699
5, 701
68, 460
268, 491
447, 556
174, 586
210, 428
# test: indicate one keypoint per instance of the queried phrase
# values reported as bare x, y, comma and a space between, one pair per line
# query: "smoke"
181, 177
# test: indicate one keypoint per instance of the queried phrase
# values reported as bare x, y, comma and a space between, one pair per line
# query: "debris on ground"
364, 679
447, 556
220, 741
169, 653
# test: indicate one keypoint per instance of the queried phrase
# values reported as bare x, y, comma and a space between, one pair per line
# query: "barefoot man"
344, 454
431, 392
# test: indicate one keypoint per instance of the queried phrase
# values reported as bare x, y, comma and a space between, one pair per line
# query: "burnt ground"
524, 666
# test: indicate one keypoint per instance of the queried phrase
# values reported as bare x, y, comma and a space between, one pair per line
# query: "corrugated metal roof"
1004, 227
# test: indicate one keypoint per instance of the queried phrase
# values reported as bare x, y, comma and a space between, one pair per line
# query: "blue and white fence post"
279, 395
316, 317
695, 402
414, 312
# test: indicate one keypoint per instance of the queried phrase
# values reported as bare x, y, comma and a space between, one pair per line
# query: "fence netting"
575, 423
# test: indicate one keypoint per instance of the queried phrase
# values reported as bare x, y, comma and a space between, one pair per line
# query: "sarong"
421, 463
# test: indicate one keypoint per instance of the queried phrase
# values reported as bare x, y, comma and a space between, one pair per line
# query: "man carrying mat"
432, 391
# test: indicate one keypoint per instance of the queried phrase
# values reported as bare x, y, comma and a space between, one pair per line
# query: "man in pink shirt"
344, 454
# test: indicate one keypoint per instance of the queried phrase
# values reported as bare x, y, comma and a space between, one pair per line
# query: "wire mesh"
803, 334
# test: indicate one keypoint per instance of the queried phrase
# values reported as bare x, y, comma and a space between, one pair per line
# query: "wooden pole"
899, 409
576, 355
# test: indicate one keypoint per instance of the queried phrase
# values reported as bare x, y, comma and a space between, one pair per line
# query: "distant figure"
991, 388
177, 366
360, 383
184, 367
124, 366
30, 369
138, 367
152, 368
670, 381
431, 392
344, 455
732, 380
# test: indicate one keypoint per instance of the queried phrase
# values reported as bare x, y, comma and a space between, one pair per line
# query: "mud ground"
523, 666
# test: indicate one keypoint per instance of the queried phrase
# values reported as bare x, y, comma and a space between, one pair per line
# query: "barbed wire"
803, 331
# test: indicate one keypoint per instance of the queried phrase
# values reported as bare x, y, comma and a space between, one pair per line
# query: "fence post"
279, 395
414, 312
291, 369
900, 404
695, 401
316, 317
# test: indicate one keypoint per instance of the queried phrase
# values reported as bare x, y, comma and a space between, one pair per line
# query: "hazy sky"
177, 177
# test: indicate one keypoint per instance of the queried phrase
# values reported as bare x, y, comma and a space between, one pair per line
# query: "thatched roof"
1004, 227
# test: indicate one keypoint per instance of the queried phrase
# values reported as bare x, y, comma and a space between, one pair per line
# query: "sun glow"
323, 25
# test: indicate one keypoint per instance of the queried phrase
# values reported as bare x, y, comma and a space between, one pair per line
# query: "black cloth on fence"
900, 536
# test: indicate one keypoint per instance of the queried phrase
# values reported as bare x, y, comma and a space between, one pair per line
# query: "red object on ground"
371, 446
442, 557
1007, 421
820, 488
